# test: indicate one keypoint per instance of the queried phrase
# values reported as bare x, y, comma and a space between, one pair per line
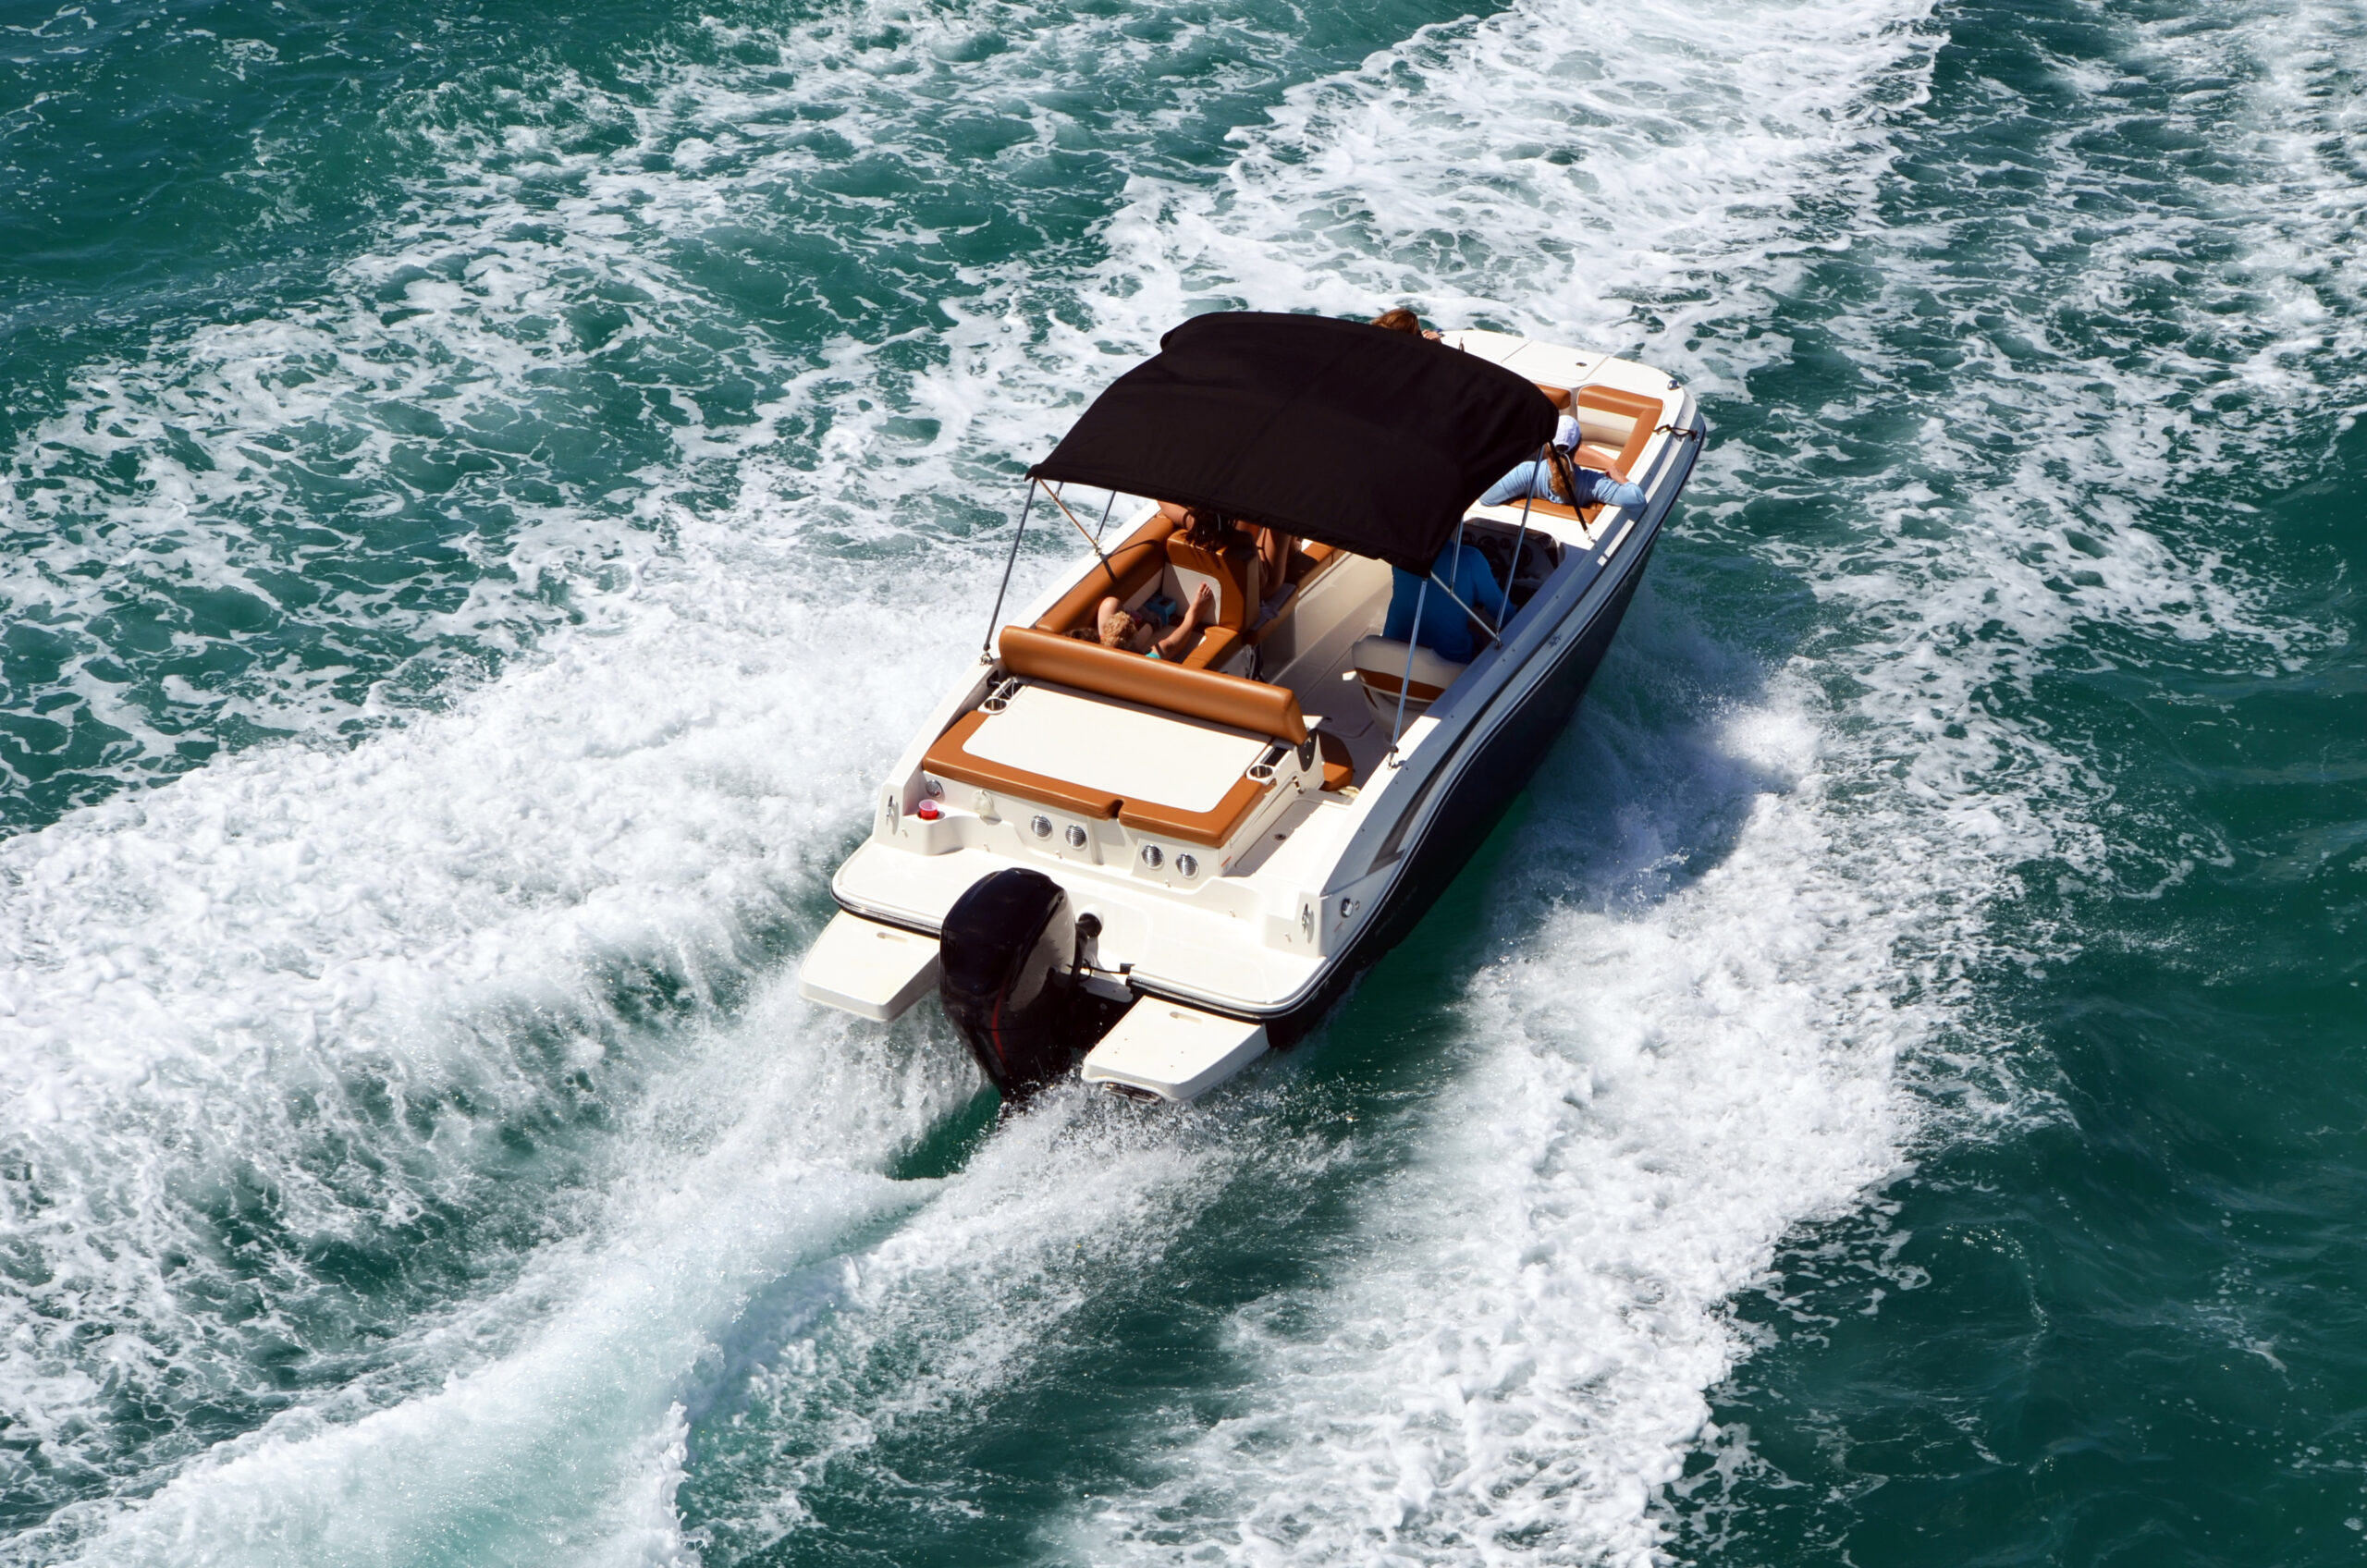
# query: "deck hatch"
1126, 751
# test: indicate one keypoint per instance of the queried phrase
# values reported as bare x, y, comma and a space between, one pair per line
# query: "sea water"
490, 488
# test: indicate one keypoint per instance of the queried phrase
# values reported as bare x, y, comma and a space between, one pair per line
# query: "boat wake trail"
412, 1148
341, 1083
1738, 983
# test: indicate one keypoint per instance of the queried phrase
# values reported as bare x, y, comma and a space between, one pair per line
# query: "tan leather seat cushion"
1130, 678
1232, 572
1381, 663
1645, 412
1227, 570
1215, 647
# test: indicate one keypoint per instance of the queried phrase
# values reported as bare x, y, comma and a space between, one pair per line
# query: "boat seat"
1270, 711
1603, 446
1339, 767
1253, 705
1231, 573
1379, 664
1134, 566
1218, 827
950, 757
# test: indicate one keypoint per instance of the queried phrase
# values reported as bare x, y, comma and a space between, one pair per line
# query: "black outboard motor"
1000, 954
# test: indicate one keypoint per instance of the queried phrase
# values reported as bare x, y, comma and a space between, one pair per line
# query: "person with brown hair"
1117, 627
1557, 476
1205, 527
1402, 320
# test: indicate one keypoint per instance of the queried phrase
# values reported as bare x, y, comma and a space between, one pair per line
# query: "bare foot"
1181, 641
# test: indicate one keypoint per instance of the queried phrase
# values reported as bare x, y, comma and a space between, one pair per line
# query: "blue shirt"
1446, 629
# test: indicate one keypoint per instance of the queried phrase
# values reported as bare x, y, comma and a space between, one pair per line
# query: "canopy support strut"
1406, 681
1521, 538
987, 652
1090, 541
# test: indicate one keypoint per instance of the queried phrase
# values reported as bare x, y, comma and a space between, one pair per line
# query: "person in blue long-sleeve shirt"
1445, 629
1559, 477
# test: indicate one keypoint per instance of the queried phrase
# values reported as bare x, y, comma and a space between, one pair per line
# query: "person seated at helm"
1114, 626
1204, 526
1445, 629
1558, 476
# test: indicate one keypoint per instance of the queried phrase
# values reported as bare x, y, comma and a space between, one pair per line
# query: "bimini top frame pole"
1090, 541
1406, 681
1421, 599
987, 650
1520, 540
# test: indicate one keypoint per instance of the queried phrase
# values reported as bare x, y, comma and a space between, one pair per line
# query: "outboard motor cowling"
1001, 951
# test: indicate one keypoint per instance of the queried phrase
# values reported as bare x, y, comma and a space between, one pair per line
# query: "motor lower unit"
1008, 954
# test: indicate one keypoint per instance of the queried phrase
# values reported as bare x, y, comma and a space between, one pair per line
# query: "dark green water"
489, 487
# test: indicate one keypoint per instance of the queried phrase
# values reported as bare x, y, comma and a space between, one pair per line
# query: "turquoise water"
490, 488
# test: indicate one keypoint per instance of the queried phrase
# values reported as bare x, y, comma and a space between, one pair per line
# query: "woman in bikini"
1117, 627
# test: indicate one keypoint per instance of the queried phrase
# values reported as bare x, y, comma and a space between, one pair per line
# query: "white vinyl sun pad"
1132, 752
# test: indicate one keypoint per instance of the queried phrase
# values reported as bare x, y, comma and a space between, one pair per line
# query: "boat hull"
1499, 766
1449, 809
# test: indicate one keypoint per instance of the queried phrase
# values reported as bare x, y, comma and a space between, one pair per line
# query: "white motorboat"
1166, 868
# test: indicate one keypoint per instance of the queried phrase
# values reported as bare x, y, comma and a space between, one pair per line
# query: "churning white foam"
341, 979
392, 1002
1663, 1078
544, 1422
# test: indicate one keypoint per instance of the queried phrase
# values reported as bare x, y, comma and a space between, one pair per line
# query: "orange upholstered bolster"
1130, 678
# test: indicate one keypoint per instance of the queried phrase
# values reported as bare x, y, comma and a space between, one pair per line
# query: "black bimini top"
1372, 440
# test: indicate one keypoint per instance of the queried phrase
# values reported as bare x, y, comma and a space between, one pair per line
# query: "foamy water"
418, 1149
